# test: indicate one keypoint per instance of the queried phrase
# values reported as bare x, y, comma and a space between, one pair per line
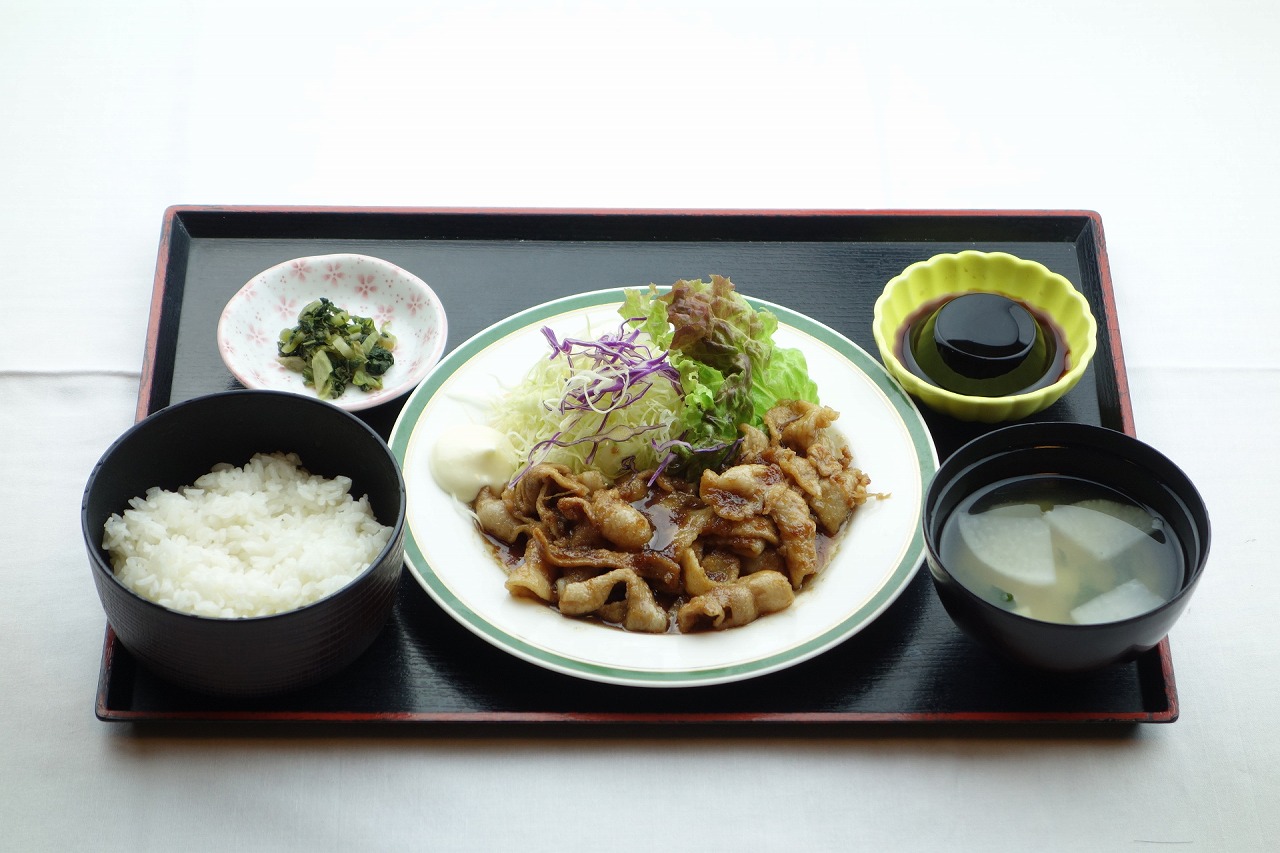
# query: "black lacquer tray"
911, 665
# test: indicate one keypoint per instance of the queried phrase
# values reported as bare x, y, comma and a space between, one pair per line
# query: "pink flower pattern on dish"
287, 306
415, 304
333, 274
364, 286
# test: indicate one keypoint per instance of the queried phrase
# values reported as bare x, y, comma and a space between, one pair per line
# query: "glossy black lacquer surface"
1118, 462
913, 664
263, 655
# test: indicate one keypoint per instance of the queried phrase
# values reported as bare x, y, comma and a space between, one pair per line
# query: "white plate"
876, 558
363, 286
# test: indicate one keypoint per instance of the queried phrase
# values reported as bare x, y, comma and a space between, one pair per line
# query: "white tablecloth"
1160, 115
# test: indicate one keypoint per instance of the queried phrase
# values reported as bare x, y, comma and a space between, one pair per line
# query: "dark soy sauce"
983, 345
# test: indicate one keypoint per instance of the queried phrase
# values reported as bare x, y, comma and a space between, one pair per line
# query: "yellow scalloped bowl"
993, 272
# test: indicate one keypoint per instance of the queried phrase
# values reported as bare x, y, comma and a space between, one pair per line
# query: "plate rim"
897, 581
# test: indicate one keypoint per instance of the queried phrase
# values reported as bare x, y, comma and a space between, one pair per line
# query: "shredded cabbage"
669, 389
603, 404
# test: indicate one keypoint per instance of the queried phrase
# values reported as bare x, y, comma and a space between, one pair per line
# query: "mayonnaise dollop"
466, 459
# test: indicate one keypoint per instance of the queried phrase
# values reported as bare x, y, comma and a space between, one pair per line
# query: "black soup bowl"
1110, 459
259, 655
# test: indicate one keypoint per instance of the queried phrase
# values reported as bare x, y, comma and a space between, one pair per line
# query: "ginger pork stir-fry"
652, 552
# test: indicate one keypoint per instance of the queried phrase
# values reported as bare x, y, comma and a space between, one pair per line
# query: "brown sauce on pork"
656, 554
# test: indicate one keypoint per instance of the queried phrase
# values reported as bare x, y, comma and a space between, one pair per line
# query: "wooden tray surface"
911, 665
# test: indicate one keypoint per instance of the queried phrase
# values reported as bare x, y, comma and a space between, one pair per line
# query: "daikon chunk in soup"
1061, 549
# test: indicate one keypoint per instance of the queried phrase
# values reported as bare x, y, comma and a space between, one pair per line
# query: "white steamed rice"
253, 541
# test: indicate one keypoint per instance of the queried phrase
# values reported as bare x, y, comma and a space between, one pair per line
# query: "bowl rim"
345, 402
924, 390
1185, 491
103, 566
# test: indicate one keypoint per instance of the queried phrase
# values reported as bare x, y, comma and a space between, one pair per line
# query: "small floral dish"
396, 300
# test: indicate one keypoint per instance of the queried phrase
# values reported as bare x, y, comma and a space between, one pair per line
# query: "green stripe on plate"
897, 580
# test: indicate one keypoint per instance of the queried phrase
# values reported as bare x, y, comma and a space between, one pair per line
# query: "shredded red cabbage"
612, 373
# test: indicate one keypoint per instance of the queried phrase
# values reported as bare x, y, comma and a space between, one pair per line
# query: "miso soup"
1061, 549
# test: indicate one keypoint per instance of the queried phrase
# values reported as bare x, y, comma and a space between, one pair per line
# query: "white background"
1162, 116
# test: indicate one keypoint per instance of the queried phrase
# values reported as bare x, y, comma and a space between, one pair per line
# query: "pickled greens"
333, 349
